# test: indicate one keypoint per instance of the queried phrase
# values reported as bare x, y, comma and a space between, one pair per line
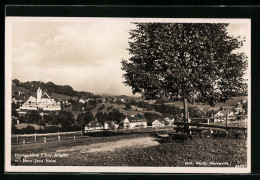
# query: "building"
111, 125
18, 99
94, 126
132, 122
158, 123
41, 101
220, 116
239, 109
170, 121
82, 101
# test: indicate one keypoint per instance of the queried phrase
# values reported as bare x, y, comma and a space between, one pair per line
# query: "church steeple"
39, 94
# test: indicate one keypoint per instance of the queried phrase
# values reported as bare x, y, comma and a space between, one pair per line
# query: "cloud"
86, 56
85, 44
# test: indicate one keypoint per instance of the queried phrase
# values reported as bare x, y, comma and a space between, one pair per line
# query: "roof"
137, 118
94, 124
239, 106
163, 121
111, 124
45, 96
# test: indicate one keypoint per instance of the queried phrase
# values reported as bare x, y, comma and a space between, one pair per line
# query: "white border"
99, 169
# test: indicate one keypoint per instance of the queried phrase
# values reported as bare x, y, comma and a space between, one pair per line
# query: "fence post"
17, 138
227, 122
23, 141
44, 139
58, 135
35, 137
209, 127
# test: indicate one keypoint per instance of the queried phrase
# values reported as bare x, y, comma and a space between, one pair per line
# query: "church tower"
39, 95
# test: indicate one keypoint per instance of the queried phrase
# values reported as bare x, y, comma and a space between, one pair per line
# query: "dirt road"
141, 142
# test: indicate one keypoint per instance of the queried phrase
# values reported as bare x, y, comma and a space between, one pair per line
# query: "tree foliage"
33, 117
194, 62
86, 117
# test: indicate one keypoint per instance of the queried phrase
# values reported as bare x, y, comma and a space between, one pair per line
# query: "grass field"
121, 107
229, 104
135, 150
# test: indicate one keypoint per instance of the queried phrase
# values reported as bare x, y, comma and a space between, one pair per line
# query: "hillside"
229, 104
16, 89
58, 91
120, 107
63, 97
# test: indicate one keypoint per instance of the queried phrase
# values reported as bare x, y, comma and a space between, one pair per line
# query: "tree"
14, 107
192, 62
84, 118
33, 117
127, 106
101, 117
65, 118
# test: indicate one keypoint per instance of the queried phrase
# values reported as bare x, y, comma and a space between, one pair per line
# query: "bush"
50, 129
66, 127
109, 108
76, 127
101, 108
28, 130
14, 130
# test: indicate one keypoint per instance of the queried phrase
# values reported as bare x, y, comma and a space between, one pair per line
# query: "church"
41, 101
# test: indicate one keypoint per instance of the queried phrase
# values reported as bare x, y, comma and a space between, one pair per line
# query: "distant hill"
16, 89
57, 91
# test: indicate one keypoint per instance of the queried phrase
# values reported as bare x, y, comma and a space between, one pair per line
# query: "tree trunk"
185, 105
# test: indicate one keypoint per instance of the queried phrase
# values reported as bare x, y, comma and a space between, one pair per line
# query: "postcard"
127, 95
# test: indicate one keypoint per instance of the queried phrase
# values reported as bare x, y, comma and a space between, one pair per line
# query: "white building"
157, 123
132, 122
220, 116
82, 101
239, 109
111, 125
41, 101
170, 121
94, 126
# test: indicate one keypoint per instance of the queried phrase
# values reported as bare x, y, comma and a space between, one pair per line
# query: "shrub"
51, 129
28, 130
76, 127
14, 130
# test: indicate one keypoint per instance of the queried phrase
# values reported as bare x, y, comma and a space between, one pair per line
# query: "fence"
26, 138
34, 138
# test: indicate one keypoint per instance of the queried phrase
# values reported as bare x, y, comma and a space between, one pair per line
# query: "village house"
239, 108
220, 116
82, 101
111, 125
132, 122
90, 99
41, 101
158, 123
94, 126
18, 99
170, 121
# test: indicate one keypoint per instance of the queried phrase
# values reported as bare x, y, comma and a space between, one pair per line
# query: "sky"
86, 55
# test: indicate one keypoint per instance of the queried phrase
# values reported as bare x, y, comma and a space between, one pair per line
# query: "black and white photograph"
127, 95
